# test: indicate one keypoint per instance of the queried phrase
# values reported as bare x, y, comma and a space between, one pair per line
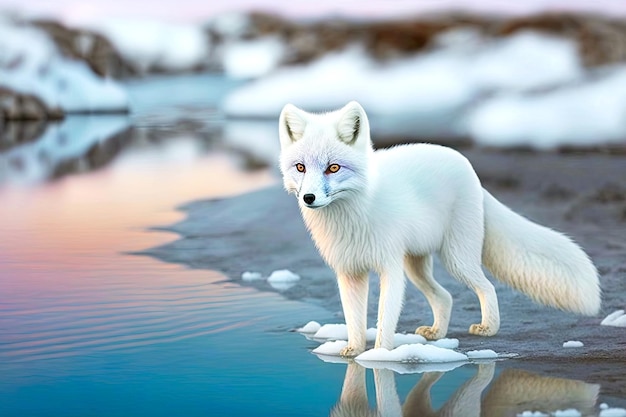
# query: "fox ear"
352, 123
291, 125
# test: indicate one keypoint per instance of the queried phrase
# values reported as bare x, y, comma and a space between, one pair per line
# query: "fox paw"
350, 352
482, 330
429, 333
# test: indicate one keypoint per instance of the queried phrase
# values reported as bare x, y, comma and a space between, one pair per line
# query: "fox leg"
465, 265
353, 290
389, 304
419, 269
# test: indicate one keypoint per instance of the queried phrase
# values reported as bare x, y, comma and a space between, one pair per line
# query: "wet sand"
582, 194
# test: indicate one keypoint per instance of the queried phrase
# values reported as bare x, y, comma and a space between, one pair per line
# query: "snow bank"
31, 63
577, 115
525, 89
616, 319
442, 80
150, 44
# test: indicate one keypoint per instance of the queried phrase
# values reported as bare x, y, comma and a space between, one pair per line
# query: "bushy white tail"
538, 261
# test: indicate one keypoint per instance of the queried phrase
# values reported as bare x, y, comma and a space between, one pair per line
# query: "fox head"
324, 157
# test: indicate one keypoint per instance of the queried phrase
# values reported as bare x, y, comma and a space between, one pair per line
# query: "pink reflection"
65, 287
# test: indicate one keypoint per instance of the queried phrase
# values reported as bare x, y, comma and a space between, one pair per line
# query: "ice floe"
616, 319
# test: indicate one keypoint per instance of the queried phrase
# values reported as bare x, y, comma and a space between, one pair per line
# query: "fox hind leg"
419, 270
463, 261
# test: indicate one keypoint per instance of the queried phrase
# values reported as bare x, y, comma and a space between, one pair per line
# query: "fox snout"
308, 198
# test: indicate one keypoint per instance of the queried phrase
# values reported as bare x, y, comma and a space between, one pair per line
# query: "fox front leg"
389, 305
353, 290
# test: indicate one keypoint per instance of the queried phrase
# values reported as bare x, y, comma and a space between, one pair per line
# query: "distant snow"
150, 43
579, 114
31, 63
616, 319
525, 89
573, 344
412, 353
442, 80
252, 58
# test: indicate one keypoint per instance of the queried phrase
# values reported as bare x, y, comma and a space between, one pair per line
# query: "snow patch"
482, 354
251, 276
31, 63
612, 412
283, 279
573, 344
154, 44
418, 353
437, 81
310, 327
331, 348
616, 319
570, 412
532, 414
252, 58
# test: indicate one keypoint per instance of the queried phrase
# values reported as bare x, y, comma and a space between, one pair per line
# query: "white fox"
390, 210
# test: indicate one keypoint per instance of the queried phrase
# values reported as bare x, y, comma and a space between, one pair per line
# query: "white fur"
389, 211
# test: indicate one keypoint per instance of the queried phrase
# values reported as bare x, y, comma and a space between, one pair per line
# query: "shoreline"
580, 194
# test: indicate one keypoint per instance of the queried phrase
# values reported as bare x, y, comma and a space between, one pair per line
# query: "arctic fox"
390, 210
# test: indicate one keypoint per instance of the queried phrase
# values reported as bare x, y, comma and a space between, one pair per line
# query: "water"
87, 329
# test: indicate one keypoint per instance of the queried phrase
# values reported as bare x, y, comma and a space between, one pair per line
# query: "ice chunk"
573, 344
482, 354
612, 412
570, 412
616, 319
251, 276
310, 327
412, 353
331, 348
283, 275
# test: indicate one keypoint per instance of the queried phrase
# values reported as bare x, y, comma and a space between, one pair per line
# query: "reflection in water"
59, 146
510, 394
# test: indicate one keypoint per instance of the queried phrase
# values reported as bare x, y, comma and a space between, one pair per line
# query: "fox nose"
309, 198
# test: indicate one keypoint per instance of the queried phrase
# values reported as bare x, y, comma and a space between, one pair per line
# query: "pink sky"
82, 11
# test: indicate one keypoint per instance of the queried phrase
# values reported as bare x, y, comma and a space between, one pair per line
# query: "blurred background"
84, 82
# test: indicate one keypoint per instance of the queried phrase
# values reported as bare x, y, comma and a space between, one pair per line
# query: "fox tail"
539, 262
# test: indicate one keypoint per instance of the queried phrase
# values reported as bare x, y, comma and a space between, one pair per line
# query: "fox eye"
300, 168
332, 168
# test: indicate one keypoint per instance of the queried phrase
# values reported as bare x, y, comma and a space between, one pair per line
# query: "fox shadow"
511, 393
